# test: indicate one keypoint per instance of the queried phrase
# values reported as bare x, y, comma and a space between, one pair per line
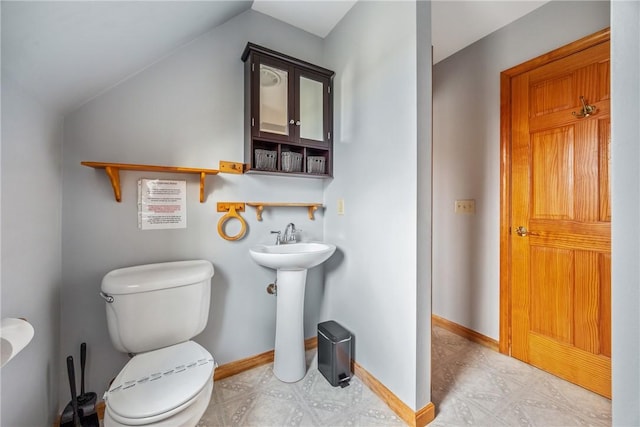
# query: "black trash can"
334, 353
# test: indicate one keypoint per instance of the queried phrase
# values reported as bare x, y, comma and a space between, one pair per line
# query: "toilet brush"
86, 401
70, 416
81, 411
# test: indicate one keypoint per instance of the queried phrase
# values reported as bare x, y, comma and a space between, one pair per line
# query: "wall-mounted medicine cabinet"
288, 114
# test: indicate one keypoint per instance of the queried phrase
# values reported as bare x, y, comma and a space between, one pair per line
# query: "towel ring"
232, 214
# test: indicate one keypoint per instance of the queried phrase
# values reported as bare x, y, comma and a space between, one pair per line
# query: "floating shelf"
311, 207
113, 172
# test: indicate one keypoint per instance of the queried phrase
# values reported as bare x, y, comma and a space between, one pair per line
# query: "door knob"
523, 232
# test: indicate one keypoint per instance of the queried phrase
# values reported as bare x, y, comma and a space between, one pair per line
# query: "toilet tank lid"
152, 277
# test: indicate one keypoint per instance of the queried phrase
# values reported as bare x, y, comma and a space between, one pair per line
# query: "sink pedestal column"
289, 364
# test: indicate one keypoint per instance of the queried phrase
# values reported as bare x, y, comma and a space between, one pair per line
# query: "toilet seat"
157, 384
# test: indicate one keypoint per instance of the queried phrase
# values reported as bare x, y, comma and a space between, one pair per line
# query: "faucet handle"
277, 237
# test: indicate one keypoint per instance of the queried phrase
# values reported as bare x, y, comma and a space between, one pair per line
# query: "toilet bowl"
152, 312
171, 386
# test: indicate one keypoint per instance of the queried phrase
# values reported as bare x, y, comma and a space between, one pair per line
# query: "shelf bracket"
202, 178
311, 210
259, 209
114, 176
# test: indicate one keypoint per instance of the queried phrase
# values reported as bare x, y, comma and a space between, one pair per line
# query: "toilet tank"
157, 305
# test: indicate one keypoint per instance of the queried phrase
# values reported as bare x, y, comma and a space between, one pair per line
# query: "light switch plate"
340, 206
465, 206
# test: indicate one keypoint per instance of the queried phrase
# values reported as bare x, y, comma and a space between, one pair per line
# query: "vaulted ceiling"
67, 52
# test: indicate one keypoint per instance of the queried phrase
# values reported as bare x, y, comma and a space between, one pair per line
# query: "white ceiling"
314, 16
67, 52
455, 24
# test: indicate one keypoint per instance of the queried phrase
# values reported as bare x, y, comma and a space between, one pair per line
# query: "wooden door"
561, 257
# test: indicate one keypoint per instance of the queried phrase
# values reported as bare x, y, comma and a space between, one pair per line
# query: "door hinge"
253, 67
252, 122
328, 89
328, 135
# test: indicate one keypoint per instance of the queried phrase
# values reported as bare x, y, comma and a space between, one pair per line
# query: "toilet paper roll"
15, 334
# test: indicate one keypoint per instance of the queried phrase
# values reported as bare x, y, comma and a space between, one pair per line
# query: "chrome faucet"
289, 233
278, 239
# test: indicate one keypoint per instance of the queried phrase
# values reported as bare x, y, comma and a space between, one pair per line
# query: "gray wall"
625, 157
466, 149
31, 191
372, 284
186, 110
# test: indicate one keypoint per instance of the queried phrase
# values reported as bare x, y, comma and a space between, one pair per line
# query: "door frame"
505, 169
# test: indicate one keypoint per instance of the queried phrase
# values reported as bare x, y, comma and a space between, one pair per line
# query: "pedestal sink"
291, 262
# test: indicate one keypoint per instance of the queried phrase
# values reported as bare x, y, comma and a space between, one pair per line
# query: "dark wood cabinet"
288, 114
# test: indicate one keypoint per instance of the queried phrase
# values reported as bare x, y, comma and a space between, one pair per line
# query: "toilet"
153, 311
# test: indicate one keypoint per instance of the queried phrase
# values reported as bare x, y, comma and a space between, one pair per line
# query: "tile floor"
257, 398
472, 385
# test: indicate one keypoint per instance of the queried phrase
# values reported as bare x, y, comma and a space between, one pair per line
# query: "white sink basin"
291, 261
292, 256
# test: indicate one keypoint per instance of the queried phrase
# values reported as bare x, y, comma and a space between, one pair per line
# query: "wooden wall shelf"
113, 172
311, 207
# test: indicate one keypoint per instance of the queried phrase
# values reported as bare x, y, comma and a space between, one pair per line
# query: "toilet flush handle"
107, 298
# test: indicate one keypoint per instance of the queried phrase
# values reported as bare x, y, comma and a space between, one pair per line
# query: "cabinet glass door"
274, 97
311, 109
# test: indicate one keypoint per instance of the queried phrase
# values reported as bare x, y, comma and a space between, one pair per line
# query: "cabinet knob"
298, 123
291, 122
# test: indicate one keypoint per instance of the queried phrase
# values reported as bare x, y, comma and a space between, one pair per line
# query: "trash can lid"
334, 331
